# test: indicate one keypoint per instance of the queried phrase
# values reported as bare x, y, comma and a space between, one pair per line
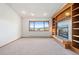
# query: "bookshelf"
75, 25
54, 26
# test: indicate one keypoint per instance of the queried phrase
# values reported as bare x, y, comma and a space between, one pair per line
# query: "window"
39, 25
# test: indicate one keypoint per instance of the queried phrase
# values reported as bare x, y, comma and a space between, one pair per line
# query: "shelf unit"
75, 25
53, 22
53, 26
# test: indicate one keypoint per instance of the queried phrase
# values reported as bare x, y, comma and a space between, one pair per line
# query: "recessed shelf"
75, 28
75, 9
76, 41
76, 36
75, 25
75, 22
75, 15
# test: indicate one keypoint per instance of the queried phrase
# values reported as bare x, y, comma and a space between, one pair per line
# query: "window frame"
39, 30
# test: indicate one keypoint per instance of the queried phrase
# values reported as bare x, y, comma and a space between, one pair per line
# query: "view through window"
39, 25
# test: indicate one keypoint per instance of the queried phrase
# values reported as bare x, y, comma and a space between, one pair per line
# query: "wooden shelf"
75, 28
75, 9
76, 36
75, 5
75, 22
75, 15
53, 26
76, 41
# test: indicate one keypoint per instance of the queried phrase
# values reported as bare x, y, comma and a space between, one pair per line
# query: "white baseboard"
9, 41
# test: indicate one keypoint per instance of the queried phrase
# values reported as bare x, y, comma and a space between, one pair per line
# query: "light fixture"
23, 12
45, 14
67, 14
32, 14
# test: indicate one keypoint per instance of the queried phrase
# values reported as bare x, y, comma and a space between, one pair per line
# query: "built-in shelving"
53, 26
75, 25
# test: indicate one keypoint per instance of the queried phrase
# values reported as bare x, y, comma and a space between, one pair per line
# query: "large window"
39, 25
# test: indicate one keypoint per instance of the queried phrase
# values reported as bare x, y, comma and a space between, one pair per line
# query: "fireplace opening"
63, 31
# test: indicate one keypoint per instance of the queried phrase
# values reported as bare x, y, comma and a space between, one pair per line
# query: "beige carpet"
34, 46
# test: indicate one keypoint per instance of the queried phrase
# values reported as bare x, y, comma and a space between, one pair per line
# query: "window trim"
39, 30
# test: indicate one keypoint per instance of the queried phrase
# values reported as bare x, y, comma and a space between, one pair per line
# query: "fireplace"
63, 31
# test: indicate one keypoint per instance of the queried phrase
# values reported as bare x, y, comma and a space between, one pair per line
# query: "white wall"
27, 33
65, 22
10, 29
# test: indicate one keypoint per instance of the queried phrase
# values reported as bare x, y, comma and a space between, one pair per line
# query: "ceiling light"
67, 13
45, 14
23, 12
32, 14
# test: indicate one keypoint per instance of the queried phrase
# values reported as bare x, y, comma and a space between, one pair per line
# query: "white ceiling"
36, 9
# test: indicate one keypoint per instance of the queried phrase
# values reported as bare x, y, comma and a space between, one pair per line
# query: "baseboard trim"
10, 42
37, 37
